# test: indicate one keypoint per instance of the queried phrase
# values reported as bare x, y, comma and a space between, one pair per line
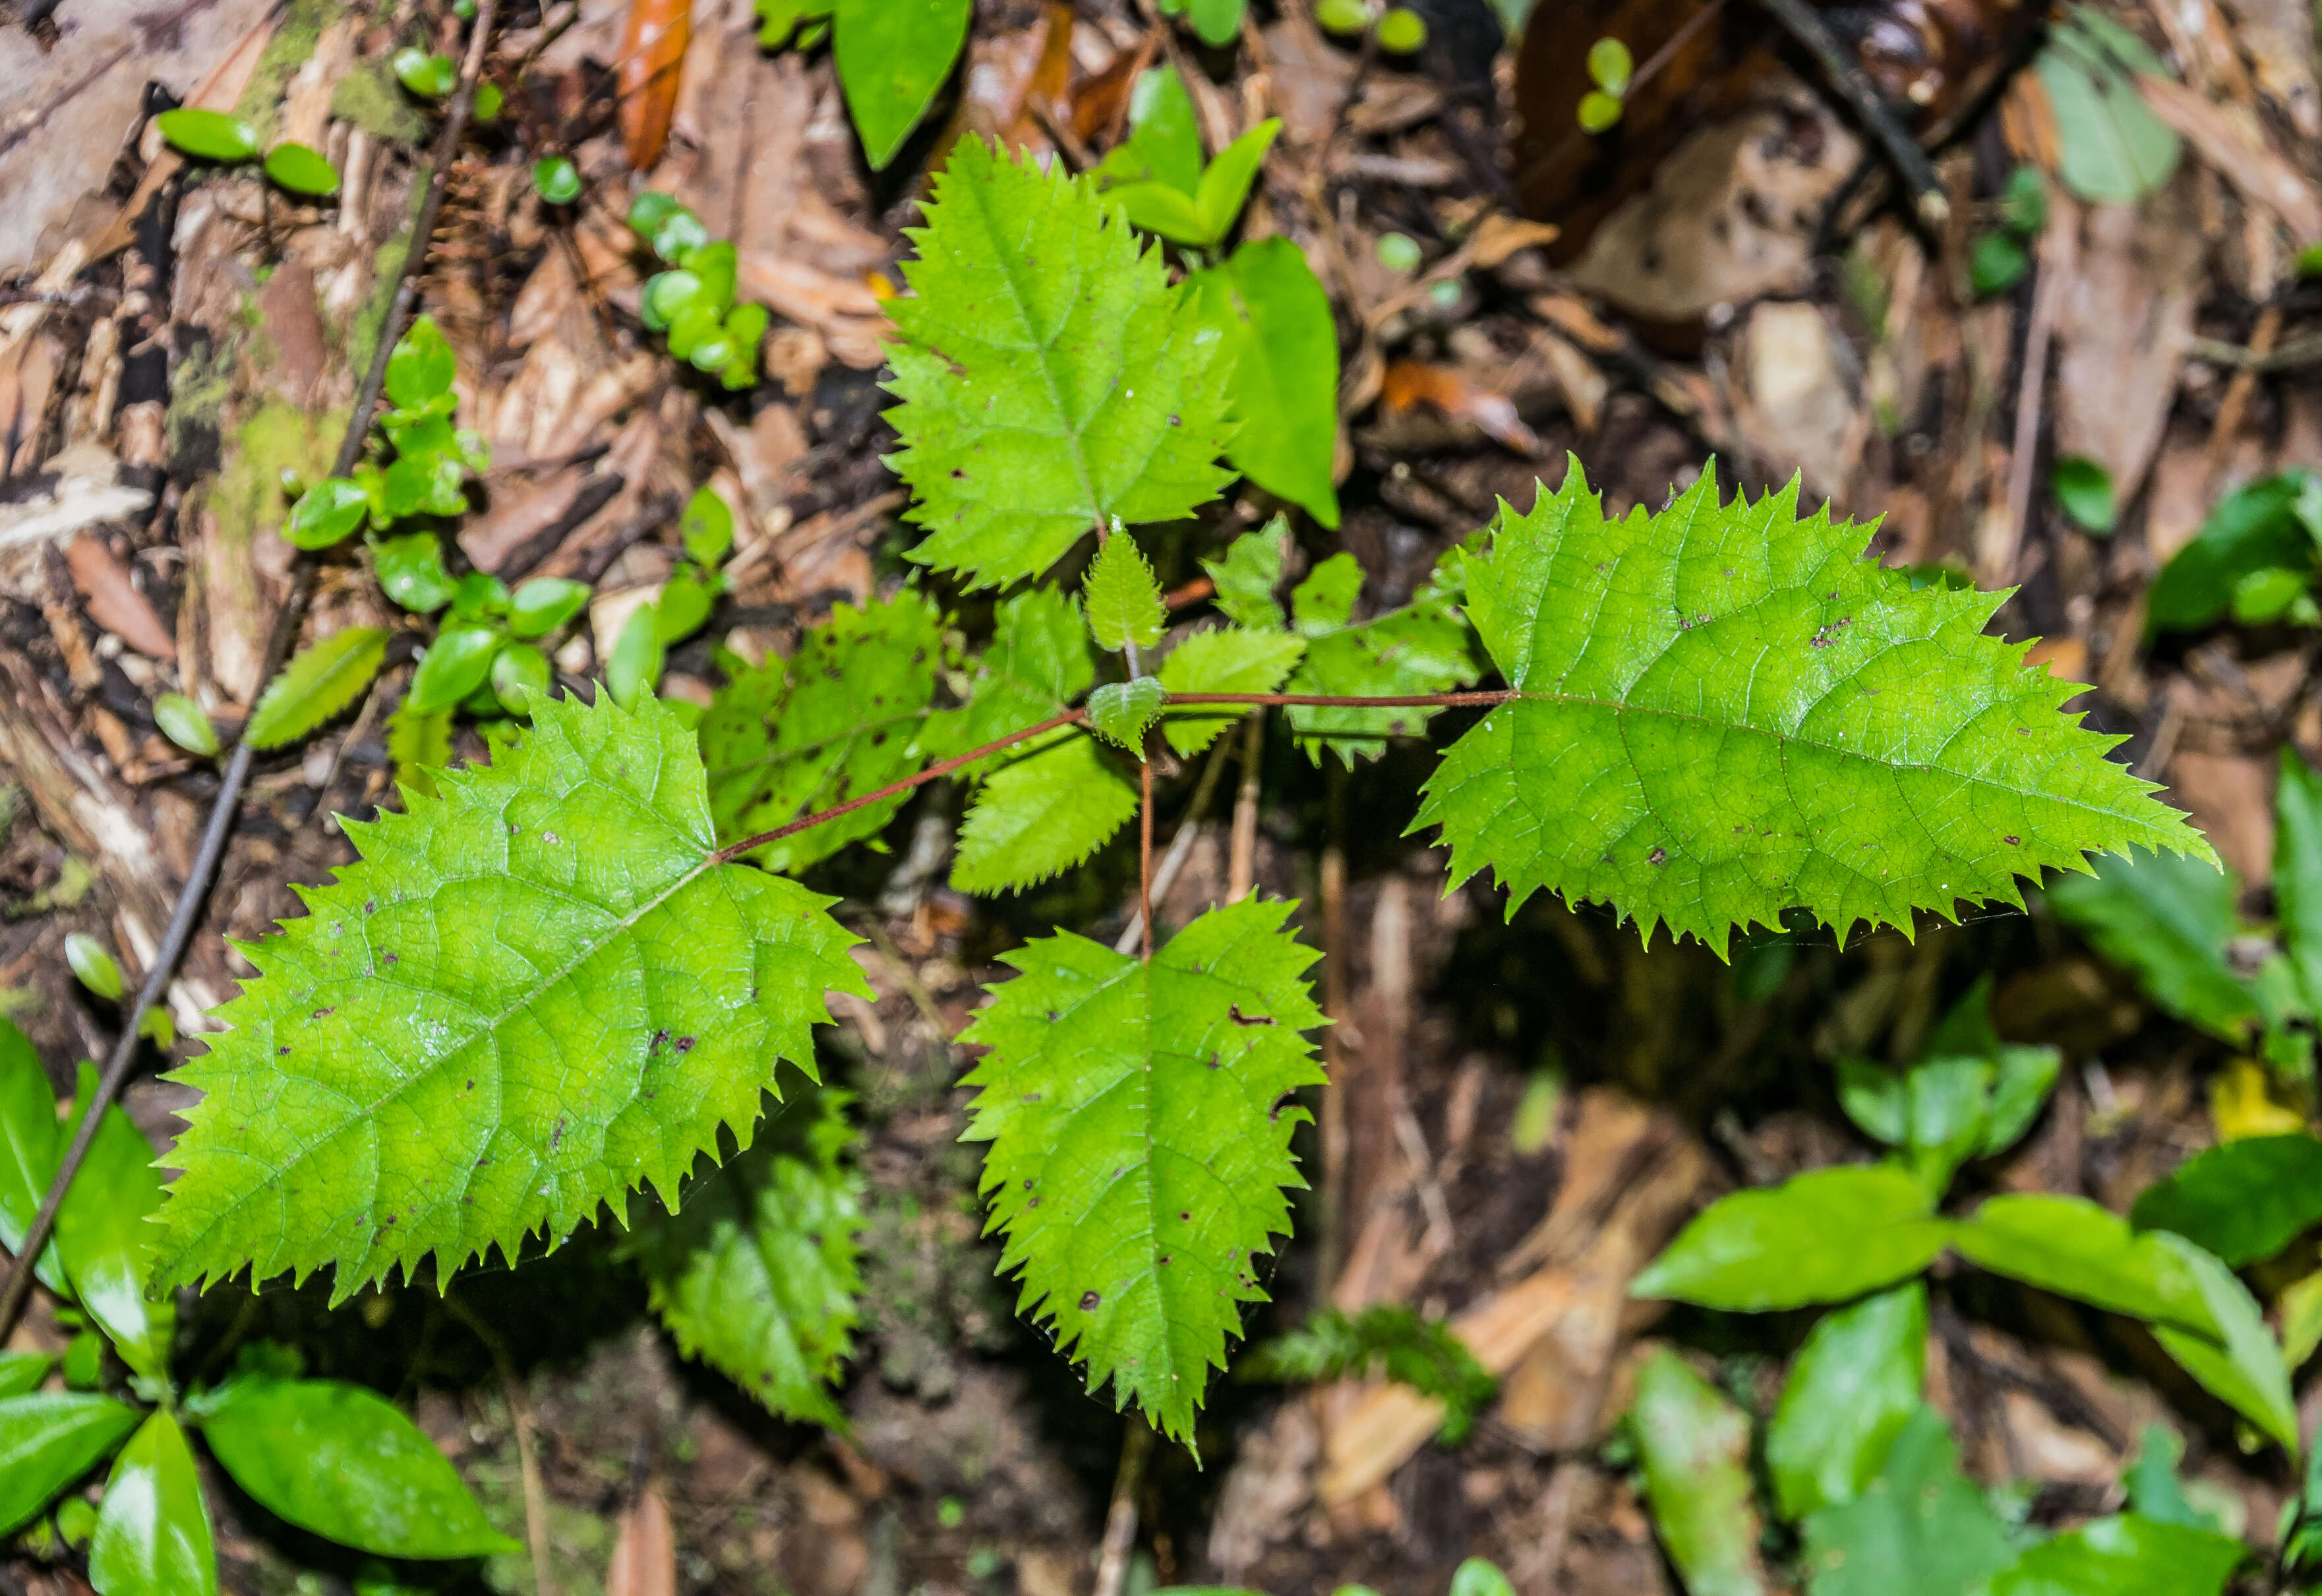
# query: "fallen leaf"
1410, 383
2261, 173
652, 66
644, 1550
114, 601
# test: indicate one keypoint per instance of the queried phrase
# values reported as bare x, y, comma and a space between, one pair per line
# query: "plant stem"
1804, 23
1145, 854
1326, 701
1120, 1518
226, 809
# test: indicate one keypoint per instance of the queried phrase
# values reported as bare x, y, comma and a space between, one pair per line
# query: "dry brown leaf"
644, 1550
2239, 152
114, 601
1499, 236
1044, 89
651, 67
1410, 383
2123, 328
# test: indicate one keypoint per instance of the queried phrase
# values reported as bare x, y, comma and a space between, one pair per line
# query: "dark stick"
226, 809
1145, 854
1854, 86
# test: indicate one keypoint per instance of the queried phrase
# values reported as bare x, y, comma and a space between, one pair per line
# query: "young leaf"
2298, 871
459, 661
93, 967
2252, 530
2112, 148
422, 367
2154, 1491
1224, 660
2166, 920
1694, 1445
532, 993
1140, 1116
1225, 181
892, 56
154, 1532
1860, 1376
1876, 1099
841, 718
1121, 597
21, 1371
2084, 489
29, 1148
301, 170
2124, 1555
213, 136
2245, 1371
1054, 802
2069, 1246
1277, 319
1051, 377
1651, 650
1420, 649
48, 1439
756, 1274
181, 721
544, 603
2026, 1078
316, 684
520, 677
1246, 578
706, 527
344, 1463
556, 179
1826, 1235
410, 572
1920, 1529
105, 1235
2245, 1200
1119, 711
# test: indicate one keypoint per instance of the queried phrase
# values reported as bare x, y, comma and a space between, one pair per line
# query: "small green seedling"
1610, 68
692, 302
229, 141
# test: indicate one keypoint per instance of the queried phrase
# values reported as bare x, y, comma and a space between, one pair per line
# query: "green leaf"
2298, 871
2027, 1076
2124, 1555
668, 294
1120, 711
21, 1371
2155, 1492
1708, 695
1610, 65
458, 662
1044, 811
2084, 489
326, 512
212, 135
1599, 112
893, 57
1226, 660
154, 1532
430, 77
1121, 597
556, 179
2251, 530
410, 571
1421, 648
317, 683
1036, 665
301, 170
684, 605
2247, 1371
1225, 181
2166, 920
1920, 1529
419, 744
1826, 1236
1246, 578
706, 527
544, 603
1401, 31
1694, 1445
1140, 1116
2245, 1200
841, 718
1285, 376
421, 367
520, 677
1217, 21
2112, 149
1051, 378
48, 1439
1996, 264
2024, 203
29, 1149
1164, 135
1857, 1382
182, 721
531, 994
105, 1235
756, 1275
345, 1463
2069, 1246
92, 966
1876, 1099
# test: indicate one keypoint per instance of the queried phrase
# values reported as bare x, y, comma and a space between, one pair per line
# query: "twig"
527, 1460
2298, 352
1181, 846
1241, 857
1804, 23
226, 809
1120, 1518
2058, 256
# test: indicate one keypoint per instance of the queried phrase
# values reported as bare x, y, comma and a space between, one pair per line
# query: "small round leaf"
1610, 65
489, 102
182, 722
1403, 32
430, 77
213, 136
520, 677
2084, 489
1346, 18
421, 367
544, 603
668, 295
456, 665
556, 179
706, 527
1398, 251
1996, 264
326, 512
1599, 112
301, 170
93, 966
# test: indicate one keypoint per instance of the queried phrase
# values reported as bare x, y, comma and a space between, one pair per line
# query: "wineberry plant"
560, 982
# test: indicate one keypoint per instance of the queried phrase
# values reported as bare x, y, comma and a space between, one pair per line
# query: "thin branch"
1326, 701
1804, 23
226, 809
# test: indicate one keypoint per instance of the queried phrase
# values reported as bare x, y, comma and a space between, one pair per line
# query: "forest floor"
1527, 1110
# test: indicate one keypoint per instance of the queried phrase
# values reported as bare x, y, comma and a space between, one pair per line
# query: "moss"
198, 389
292, 46
279, 437
386, 277
370, 98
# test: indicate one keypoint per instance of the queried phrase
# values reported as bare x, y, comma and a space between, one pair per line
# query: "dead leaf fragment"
652, 66
1410, 383
114, 601
644, 1551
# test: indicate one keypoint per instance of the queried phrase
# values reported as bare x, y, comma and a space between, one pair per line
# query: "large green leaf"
29, 1147
534, 992
1052, 380
2069, 1246
316, 685
2166, 920
2124, 1555
1860, 1376
48, 1439
1140, 1116
1286, 379
1694, 1445
2245, 1200
1919, 1528
106, 1237
892, 56
842, 717
344, 1463
756, 1274
153, 1533
1055, 800
1725, 712
1827, 1236
2244, 1369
